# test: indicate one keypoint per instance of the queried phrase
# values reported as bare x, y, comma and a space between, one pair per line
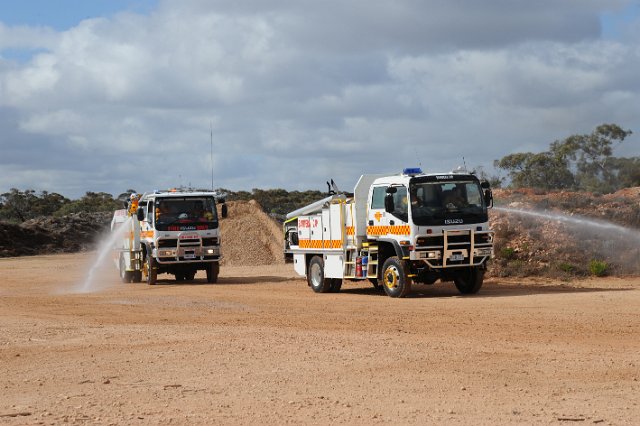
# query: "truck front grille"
168, 243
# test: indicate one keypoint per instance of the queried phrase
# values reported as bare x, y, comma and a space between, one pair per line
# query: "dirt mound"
250, 236
67, 234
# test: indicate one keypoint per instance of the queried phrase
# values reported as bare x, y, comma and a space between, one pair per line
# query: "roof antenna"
418, 157
465, 165
211, 129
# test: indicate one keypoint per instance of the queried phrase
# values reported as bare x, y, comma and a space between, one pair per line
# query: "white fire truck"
395, 231
174, 231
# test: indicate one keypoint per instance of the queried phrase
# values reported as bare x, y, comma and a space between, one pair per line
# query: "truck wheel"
125, 276
315, 276
394, 278
469, 280
212, 272
152, 272
336, 285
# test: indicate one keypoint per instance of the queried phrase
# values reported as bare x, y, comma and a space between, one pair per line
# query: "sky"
111, 95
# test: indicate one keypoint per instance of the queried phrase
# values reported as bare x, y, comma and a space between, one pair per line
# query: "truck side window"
377, 199
149, 211
401, 204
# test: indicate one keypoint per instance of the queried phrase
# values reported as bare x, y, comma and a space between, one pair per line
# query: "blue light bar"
412, 171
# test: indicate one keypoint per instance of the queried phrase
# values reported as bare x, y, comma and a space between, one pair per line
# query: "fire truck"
174, 231
394, 231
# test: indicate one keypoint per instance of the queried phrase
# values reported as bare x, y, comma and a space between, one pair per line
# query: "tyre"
315, 276
394, 278
212, 272
152, 271
125, 276
336, 285
469, 280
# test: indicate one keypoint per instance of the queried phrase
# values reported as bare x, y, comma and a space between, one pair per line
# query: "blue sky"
64, 14
615, 23
110, 95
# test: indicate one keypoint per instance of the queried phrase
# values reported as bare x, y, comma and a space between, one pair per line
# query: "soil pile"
250, 236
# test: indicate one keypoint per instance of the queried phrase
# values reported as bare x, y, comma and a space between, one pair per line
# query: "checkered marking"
386, 230
320, 244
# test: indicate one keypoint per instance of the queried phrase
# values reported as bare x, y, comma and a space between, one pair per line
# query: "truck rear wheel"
315, 276
469, 280
152, 272
212, 272
394, 278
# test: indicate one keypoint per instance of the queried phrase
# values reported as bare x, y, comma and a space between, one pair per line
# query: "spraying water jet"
618, 245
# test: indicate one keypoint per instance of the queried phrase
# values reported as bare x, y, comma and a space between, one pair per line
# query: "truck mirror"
485, 184
392, 190
140, 214
224, 211
488, 198
389, 205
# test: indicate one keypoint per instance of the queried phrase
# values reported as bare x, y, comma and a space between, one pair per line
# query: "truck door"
379, 222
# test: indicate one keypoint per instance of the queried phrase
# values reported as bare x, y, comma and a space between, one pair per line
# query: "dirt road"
260, 347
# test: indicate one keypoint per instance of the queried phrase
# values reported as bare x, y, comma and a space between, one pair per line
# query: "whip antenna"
211, 140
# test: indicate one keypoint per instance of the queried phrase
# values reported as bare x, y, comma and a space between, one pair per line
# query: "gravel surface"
260, 347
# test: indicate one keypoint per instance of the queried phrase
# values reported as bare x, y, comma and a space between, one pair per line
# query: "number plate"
189, 255
456, 257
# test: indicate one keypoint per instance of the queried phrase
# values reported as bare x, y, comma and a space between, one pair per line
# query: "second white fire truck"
174, 231
395, 231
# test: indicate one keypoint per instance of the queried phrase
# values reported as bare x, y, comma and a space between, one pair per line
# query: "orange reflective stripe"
385, 230
320, 244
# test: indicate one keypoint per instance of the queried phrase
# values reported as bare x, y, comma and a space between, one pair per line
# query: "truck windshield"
188, 213
433, 202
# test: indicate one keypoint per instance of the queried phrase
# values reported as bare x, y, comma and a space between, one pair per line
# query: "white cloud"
300, 91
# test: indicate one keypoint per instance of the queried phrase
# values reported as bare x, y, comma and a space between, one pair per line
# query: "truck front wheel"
394, 278
125, 276
152, 272
315, 276
212, 272
469, 280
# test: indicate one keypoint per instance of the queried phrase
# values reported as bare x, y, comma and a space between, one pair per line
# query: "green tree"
91, 202
17, 205
543, 170
583, 162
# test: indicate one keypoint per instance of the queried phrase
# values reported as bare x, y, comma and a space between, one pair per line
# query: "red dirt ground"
260, 347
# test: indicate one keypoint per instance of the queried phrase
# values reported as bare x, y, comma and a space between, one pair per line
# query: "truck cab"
436, 223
